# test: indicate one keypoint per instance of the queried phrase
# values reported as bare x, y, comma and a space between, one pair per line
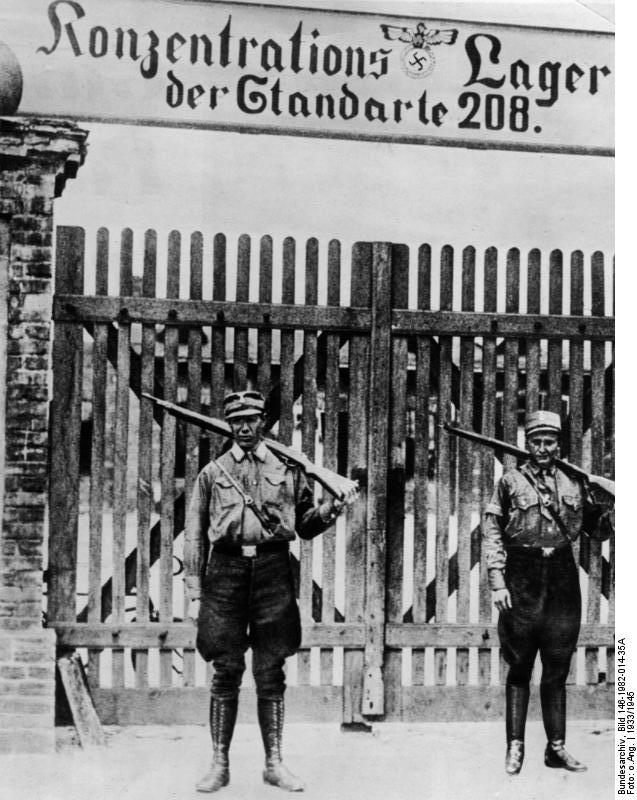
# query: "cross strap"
537, 485
249, 502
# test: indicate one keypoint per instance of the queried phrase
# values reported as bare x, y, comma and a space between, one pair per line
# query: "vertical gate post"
378, 437
65, 422
36, 158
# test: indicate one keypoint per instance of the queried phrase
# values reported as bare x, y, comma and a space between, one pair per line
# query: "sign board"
311, 72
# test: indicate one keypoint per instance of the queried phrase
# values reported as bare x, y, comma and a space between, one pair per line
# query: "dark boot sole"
205, 790
550, 765
272, 782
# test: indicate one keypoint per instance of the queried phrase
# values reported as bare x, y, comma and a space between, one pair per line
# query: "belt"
538, 552
250, 550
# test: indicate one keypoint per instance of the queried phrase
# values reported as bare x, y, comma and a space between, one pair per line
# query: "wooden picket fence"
397, 614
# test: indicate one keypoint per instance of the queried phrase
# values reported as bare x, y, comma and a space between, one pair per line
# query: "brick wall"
36, 158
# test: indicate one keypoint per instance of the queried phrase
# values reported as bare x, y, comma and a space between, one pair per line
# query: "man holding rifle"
248, 503
535, 513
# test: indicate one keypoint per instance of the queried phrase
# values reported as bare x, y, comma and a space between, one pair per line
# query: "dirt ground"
429, 761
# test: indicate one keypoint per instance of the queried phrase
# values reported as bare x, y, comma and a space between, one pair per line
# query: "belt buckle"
547, 552
249, 550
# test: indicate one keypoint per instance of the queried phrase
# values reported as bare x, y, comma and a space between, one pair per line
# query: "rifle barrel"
334, 483
496, 444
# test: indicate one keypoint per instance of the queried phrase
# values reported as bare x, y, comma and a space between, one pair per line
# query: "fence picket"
240, 376
96, 497
120, 506
421, 464
489, 374
330, 431
193, 434
598, 392
167, 461
145, 458
465, 465
443, 471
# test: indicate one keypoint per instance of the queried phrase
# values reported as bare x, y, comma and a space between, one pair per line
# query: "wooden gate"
361, 359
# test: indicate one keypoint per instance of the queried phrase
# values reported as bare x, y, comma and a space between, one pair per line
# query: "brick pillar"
36, 158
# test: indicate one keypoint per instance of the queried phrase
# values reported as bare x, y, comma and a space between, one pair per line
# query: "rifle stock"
334, 483
605, 484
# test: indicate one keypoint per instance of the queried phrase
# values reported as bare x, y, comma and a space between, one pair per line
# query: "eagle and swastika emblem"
417, 59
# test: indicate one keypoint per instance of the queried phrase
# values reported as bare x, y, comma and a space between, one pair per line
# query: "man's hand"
193, 609
502, 599
333, 507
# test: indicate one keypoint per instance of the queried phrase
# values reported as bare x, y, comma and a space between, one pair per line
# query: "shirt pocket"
524, 513
572, 513
274, 488
225, 493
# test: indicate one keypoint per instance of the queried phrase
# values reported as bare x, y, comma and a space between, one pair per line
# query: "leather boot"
270, 713
553, 700
517, 703
558, 757
223, 715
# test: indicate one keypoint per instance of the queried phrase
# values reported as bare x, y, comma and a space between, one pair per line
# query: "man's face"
543, 447
247, 431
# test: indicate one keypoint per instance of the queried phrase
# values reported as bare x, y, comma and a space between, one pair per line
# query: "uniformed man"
534, 515
249, 503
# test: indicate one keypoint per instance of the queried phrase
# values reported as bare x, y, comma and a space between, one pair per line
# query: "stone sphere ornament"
10, 81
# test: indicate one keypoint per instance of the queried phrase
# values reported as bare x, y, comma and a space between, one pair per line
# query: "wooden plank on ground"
145, 458
315, 704
66, 416
355, 544
98, 442
421, 463
330, 451
167, 459
120, 471
85, 717
443, 466
322, 704
465, 465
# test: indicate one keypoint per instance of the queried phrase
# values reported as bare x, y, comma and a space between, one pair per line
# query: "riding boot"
223, 715
517, 703
270, 713
553, 700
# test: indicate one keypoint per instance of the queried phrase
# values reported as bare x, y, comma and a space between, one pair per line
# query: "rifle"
606, 485
335, 484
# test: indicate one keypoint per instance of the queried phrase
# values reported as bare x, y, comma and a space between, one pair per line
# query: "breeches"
248, 602
545, 615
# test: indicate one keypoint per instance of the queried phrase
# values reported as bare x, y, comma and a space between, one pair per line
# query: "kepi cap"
543, 421
243, 404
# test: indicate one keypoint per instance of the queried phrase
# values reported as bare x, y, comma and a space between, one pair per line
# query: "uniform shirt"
218, 511
517, 515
